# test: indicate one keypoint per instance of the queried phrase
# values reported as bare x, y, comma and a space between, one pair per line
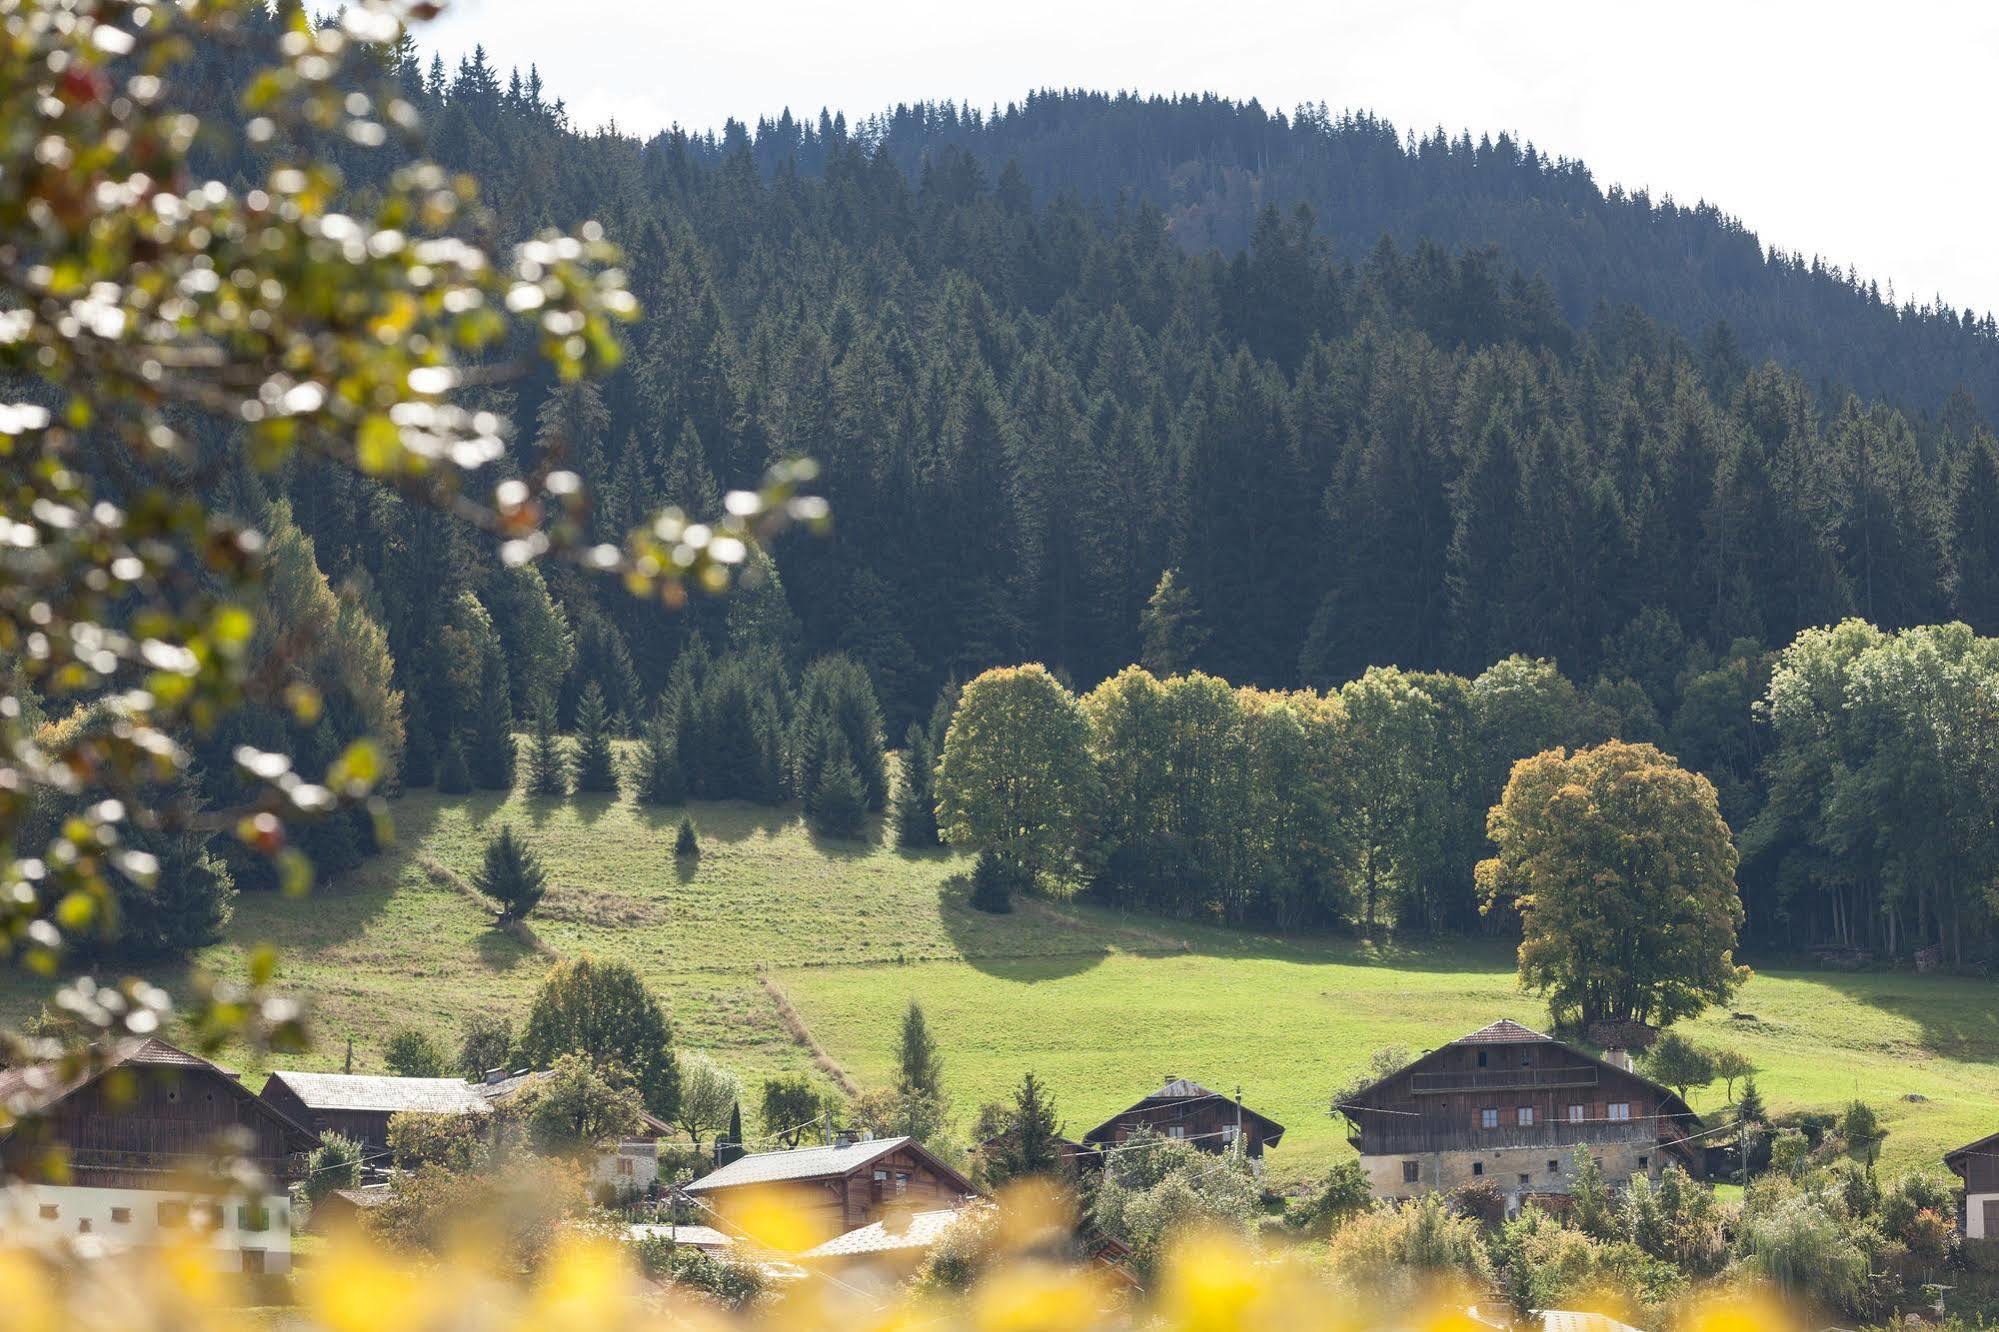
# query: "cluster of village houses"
1504, 1104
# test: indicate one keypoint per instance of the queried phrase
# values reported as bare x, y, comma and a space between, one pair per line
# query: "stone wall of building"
1546, 1169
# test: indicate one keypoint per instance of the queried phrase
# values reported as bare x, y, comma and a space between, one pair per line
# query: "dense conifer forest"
1100, 380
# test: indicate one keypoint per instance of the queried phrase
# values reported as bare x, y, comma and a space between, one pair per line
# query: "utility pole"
1238, 1119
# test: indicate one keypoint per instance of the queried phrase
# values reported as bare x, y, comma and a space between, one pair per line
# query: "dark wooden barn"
1977, 1164
146, 1112
1510, 1105
1189, 1112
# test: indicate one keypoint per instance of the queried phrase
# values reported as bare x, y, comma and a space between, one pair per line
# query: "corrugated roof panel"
799, 1163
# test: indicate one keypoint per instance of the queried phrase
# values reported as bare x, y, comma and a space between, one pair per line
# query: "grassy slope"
1290, 1023
1101, 1007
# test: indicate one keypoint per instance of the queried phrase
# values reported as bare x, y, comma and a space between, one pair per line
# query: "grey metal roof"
696, 1237
918, 1230
799, 1163
373, 1093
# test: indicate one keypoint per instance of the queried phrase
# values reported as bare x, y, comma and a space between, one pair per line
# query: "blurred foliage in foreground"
163, 337
1017, 1284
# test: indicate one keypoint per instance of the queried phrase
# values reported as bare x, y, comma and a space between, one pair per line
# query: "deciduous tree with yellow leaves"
1623, 872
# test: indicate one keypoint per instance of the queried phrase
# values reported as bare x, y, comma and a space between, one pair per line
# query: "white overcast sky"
1863, 132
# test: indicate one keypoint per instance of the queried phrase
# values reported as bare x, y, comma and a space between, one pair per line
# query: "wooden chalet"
122, 1148
358, 1106
1189, 1112
1510, 1105
1977, 1164
851, 1184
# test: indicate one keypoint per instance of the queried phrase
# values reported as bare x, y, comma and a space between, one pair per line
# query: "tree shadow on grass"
592, 806
501, 951
541, 808
1016, 945
720, 820
340, 909
848, 848
1957, 1016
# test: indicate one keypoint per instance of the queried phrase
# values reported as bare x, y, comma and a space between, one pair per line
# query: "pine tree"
687, 843
1027, 1145
919, 1068
995, 879
1171, 628
454, 777
840, 802
596, 767
548, 758
730, 1147
689, 483
184, 907
836, 697
511, 875
492, 754
1754, 1131
915, 797
658, 775
419, 757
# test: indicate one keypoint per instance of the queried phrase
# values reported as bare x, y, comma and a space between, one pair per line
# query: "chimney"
494, 1075
1618, 1057
843, 1137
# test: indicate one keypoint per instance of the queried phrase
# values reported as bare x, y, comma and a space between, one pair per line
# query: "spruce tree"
687, 843
915, 800
1171, 628
454, 776
492, 753
1027, 1144
511, 875
730, 1147
1753, 1126
419, 756
548, 758
596, 766
919, 1068
659, 777
995, 879
840, 803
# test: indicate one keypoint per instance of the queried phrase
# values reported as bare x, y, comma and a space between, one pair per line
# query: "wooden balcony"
1502, 1079
1556, 1136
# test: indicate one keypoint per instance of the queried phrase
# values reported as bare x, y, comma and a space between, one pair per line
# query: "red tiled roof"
1503, 1032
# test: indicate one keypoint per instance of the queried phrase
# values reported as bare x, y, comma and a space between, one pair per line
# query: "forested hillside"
1212, 164
1030, 406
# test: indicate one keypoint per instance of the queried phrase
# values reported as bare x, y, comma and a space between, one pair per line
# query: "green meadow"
1102, 1007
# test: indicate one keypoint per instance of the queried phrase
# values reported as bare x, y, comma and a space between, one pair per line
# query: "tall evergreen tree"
659, 778
491, 755
548, 758
511, 875
915, 793
839, 803
454, 775
596, 766
1171, 628
919, 1067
